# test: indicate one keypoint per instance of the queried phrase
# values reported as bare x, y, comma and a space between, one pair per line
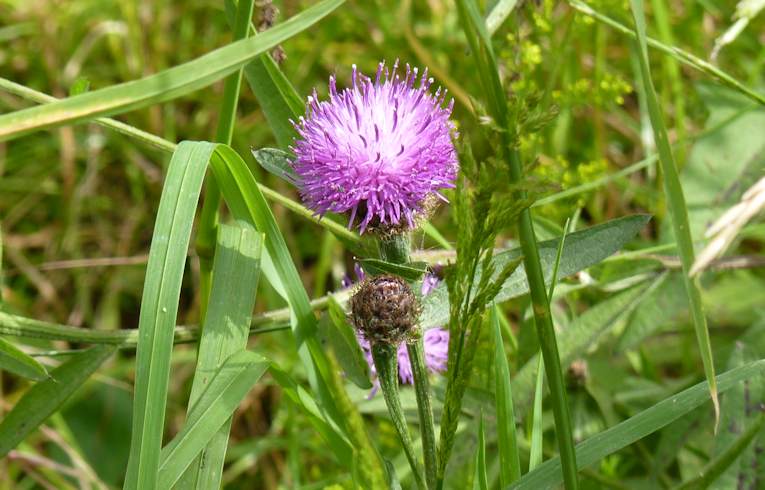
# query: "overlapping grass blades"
166, 85
162, 287
226, 330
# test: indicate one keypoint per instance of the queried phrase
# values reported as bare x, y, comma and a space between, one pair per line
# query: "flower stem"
395, 249
546, 334
416, 352
385, 357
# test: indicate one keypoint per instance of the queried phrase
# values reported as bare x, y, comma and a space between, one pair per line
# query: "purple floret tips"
377, 149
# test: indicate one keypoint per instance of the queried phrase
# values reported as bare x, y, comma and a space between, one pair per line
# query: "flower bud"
385, 310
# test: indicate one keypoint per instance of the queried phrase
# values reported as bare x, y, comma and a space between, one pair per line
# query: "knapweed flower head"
385, 310
380, 150
435, 340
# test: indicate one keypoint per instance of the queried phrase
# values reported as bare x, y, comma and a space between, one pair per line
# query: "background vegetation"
78, 205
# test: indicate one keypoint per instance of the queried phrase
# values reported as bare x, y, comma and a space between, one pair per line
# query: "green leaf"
594, 449
583, 249
509, 460
215, 405
46, 397
15, 361
537, 430
236, 270
165, 85
501, 11
676, 204
276, 162
341, 337
412, 271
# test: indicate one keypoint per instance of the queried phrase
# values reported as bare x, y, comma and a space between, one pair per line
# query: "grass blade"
677, 207
481, 477
16, 361
501, 11
215, 405
236, 270
166, 85
509, 460
46, 397
597, 447
535, 453
159, 309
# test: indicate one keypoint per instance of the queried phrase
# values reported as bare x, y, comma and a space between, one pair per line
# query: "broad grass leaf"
16, 361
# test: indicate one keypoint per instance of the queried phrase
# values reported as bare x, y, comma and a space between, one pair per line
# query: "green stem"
416, 351
208, 221
546, 333
385, 357
395, 249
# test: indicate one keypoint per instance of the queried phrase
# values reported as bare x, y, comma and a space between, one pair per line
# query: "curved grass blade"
166, 85
46, 397
159, 309
165, 269
16, 361
597, 447
677, 208
236, 270
215, 405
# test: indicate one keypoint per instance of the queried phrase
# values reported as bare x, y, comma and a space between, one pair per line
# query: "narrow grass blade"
535, 452
597, 447
509, 460
16, 361
339, 334
159, 309
677, 53
236, 270
166, 85
46, 397
215, 405
677, 207
481, 481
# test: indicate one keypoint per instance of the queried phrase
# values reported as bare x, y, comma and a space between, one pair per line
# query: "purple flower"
378, 149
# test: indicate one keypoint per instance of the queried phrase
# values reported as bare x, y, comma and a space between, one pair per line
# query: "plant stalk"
385, 357
546, 333
396, 250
